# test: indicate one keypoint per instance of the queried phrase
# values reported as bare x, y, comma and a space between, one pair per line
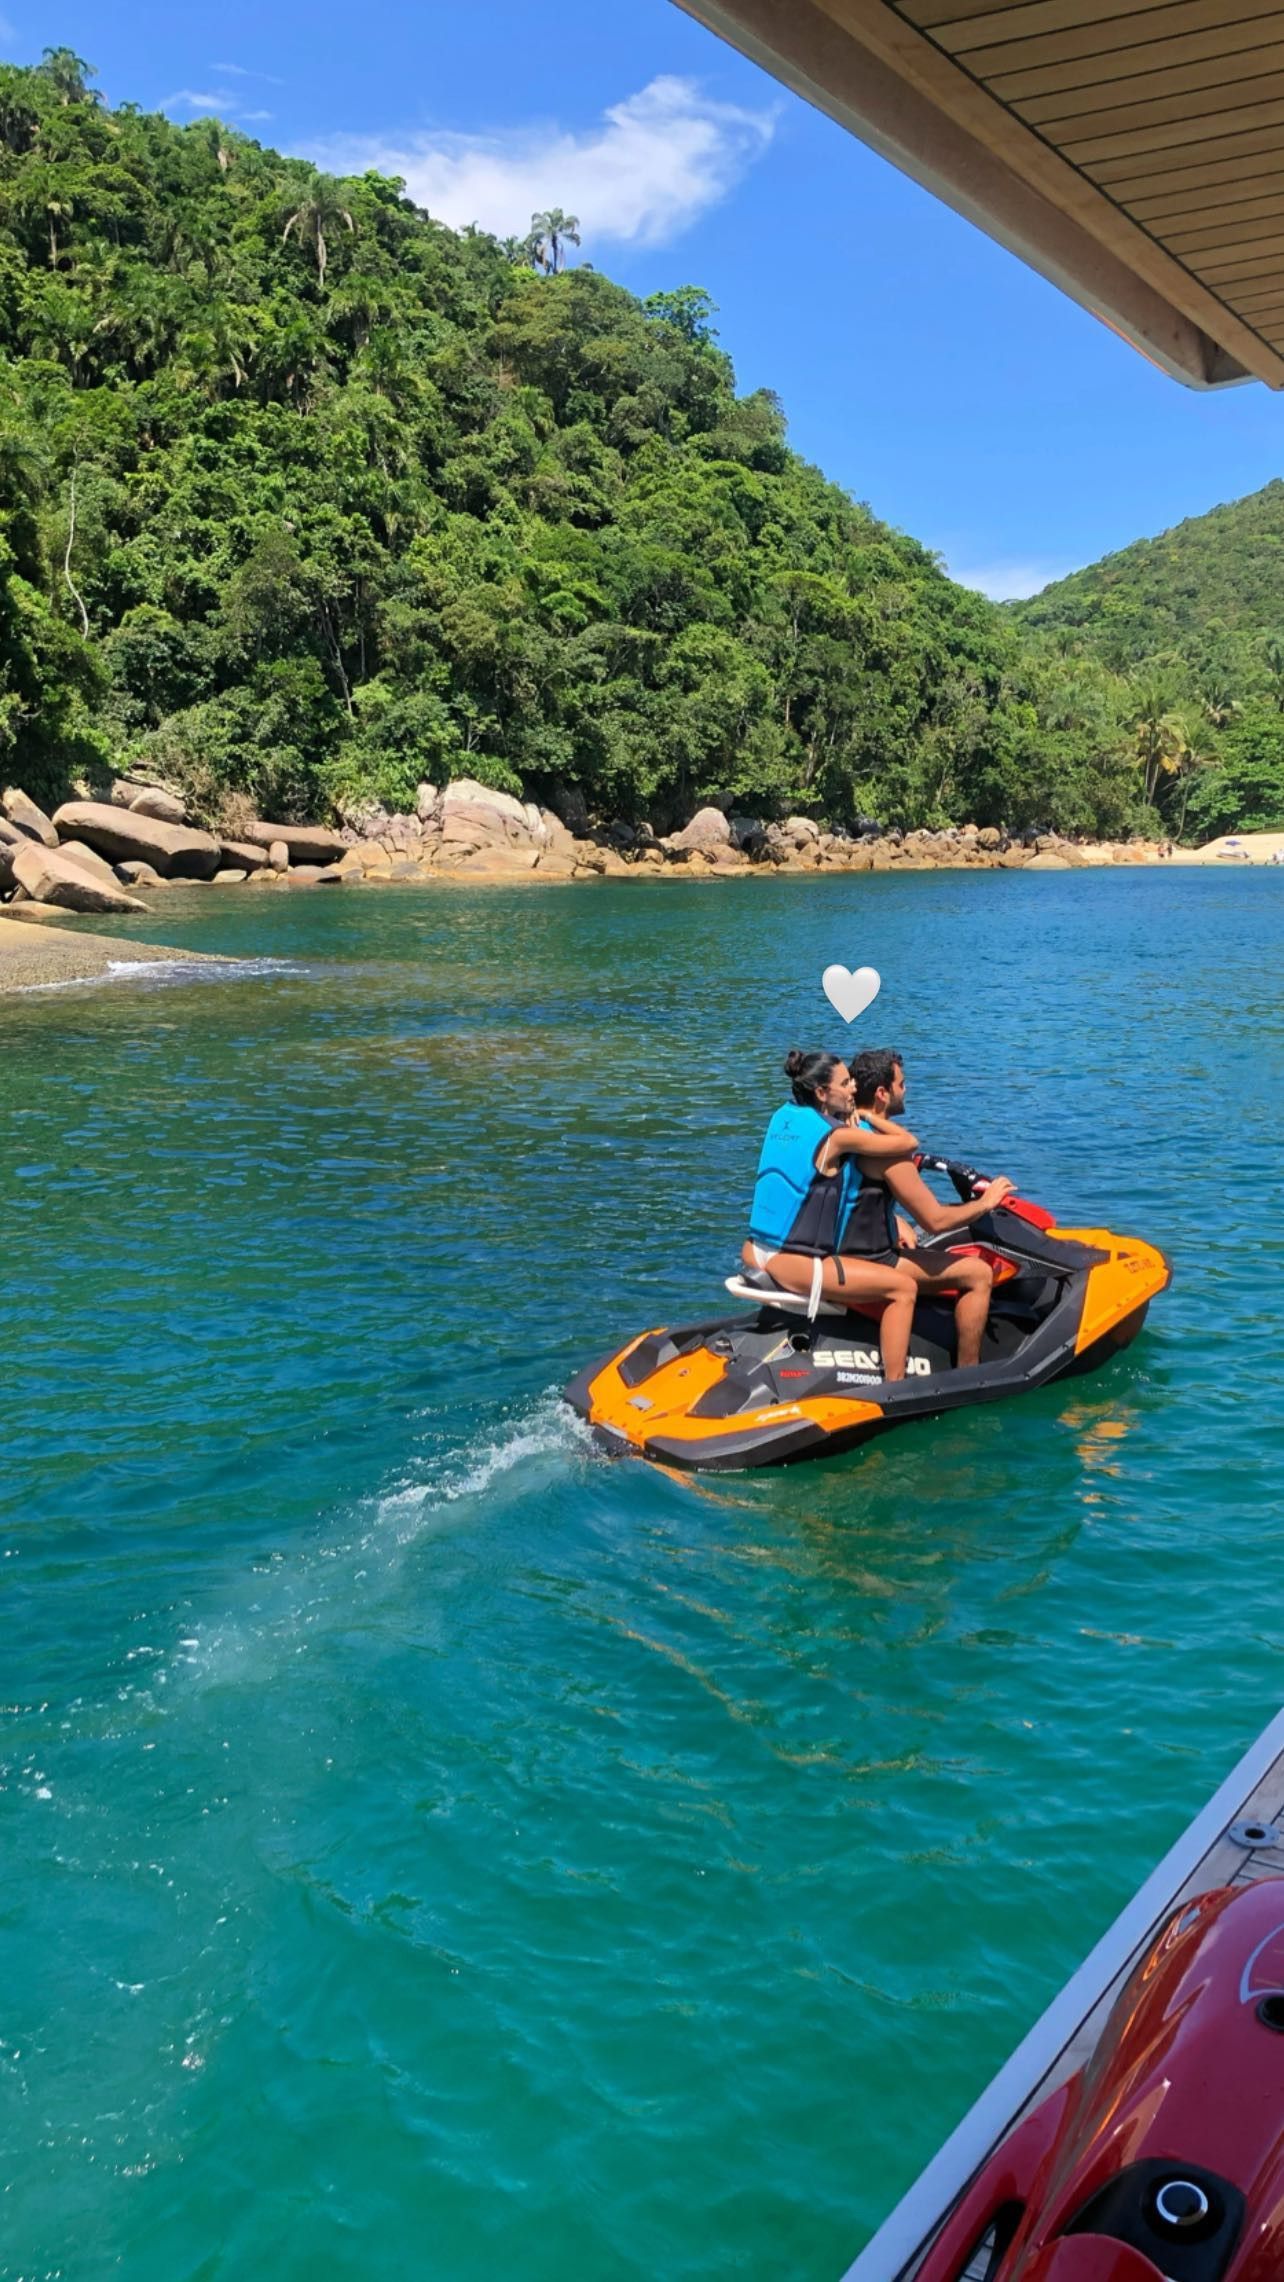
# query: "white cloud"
190, 99
1010, 582
220, 99
239, 71
642, 174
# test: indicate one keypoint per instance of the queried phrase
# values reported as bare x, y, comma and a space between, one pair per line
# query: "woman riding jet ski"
915, 1331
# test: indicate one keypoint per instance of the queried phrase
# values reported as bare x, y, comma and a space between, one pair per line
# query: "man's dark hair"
876, 1067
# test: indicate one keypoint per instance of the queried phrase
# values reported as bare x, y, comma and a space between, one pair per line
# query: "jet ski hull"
770, 1388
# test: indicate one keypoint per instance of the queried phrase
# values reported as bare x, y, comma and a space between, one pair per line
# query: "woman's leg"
973, 1280
851, 1282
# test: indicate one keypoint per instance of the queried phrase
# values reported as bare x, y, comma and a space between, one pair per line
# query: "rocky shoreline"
95, 855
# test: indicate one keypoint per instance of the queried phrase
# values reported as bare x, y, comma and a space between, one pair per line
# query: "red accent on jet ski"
1037, 1214
1182, 2099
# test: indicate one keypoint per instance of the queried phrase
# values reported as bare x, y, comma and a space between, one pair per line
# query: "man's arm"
910, 1189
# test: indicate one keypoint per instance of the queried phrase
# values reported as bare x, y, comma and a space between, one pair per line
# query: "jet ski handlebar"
968, 1182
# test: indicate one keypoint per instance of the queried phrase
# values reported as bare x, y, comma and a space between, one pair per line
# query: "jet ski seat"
756, 1285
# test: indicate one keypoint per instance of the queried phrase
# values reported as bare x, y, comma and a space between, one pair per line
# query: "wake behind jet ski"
789, 1380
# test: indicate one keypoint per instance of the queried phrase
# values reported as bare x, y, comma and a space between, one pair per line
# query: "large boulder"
241, 856
31, 821
749, 833
558, 841
149, 800
90, 861
49, 875
478, 822
1047, 861
801, 829
306, 843
707, 830
174, 850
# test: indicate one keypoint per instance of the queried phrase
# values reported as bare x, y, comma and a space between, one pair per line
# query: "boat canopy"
1131, 153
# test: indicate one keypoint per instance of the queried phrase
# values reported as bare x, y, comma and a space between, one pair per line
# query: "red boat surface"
1137, 2135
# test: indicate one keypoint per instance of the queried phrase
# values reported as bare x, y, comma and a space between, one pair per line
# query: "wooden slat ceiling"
1135, 153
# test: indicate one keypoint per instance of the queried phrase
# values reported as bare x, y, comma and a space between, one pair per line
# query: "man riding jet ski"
843, 1302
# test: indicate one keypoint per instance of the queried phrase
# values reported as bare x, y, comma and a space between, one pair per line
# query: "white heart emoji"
849, 994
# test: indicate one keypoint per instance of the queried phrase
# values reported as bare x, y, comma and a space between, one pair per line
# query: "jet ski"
786, 1382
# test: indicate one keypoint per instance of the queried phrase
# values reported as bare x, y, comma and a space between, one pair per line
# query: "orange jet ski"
783, 1383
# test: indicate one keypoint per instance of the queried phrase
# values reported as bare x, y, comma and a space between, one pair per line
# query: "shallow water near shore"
433, 1848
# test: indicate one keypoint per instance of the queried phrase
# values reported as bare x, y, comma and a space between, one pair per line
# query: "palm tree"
1156, 731
1192, 749
1273, 652
550, 234
22, 468
316, 213
217, 349
1215, 695
357, 305
50, 194
69, 74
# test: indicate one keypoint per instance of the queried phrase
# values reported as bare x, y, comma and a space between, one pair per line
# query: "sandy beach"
1233, 848
32, 957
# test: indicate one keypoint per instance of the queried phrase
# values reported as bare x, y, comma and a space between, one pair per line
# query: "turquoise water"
432, 1848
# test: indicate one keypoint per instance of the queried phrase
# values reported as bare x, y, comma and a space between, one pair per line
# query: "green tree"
320, 209
550, 235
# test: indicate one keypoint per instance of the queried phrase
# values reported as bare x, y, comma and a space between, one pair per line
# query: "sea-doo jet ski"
788, 1381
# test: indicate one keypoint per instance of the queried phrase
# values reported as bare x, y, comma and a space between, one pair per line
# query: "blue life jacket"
795, 1207
868, 1226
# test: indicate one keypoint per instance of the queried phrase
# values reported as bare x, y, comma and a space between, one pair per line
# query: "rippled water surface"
431, 1848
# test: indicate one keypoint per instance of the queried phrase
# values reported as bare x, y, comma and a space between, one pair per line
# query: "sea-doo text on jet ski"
785, 1382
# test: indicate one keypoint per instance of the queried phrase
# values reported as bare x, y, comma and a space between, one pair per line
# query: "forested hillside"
1194, 621
1211, 589
305, 497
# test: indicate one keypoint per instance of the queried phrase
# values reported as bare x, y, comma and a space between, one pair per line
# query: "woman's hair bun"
794, 1060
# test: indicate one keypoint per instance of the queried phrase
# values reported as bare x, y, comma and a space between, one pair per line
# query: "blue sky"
921, 366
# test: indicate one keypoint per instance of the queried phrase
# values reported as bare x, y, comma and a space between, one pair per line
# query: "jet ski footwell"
772, 1387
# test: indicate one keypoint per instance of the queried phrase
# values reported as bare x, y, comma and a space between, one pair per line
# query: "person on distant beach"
874, 1230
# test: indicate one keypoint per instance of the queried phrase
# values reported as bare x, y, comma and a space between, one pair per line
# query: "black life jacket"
871, 1228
